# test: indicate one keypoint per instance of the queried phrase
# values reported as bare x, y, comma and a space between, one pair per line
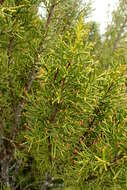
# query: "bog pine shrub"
63, 116
76, 118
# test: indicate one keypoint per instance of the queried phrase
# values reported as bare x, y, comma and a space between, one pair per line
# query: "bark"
1, 2
32, 75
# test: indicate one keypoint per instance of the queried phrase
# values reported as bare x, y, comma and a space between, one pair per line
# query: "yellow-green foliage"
63, 106
88, 131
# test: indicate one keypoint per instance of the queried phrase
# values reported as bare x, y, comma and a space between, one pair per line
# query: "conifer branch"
97, 112
55, 76
62, 88
54, 112
9, 50
55, 109
2, 122
13, 104
32, 74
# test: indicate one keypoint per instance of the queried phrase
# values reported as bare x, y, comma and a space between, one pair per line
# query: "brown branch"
32, 74
1, 2
55, 76
57, 72
2, 122
10, 81
55, 109
29, 84
53, 115
9, 51
50, 15
40, 48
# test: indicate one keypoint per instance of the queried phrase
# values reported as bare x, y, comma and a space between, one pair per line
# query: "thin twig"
55, 76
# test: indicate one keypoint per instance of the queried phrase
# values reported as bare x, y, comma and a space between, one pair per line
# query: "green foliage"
63, 116
115, 35
80, 114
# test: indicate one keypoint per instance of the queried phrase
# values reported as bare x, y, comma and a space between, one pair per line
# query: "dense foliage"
63, 101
